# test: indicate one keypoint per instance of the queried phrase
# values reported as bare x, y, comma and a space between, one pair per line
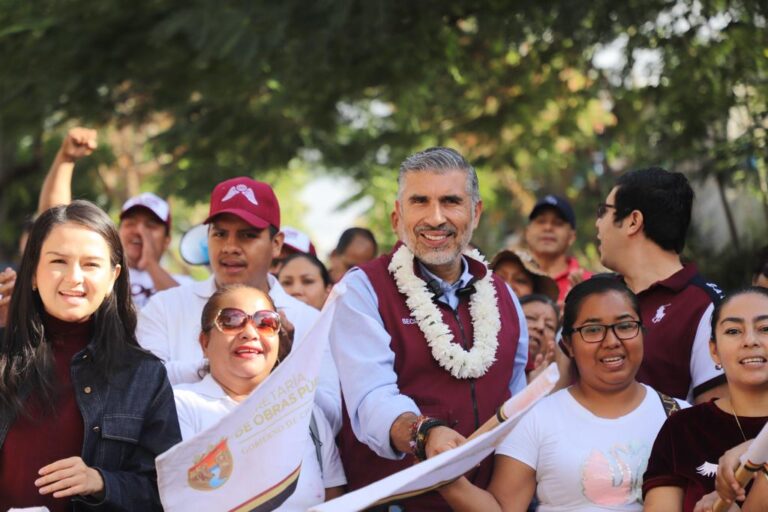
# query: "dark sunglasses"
234, 320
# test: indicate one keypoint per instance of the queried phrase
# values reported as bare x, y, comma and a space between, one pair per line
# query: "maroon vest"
464, 404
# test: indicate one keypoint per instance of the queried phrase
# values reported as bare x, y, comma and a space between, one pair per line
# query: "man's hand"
442, 439
576, 277
78, 143
7, 282
150, 253
726, 484
69, 477
707, 504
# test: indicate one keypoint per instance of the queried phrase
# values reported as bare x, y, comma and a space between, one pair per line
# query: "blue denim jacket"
129, 420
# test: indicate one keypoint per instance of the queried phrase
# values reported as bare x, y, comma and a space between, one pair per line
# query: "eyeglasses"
595, 333
234, 320
602, 208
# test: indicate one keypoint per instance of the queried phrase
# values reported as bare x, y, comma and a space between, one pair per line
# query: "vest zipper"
471, 381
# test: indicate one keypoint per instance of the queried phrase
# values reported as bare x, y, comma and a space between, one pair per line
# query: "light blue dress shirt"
360, 347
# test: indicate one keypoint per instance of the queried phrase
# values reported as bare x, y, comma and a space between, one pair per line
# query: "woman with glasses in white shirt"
243, 341
584, 447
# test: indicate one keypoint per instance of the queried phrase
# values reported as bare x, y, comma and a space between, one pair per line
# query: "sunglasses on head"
233, 320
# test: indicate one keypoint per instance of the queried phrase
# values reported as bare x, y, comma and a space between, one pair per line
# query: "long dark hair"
26, 358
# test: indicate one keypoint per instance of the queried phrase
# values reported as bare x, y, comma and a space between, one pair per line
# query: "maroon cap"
253, 201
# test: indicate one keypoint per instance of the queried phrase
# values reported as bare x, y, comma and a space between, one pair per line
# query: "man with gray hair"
428, 341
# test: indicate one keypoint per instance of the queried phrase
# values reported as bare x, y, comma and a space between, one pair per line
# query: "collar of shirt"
573, 266
277, 293
204, 290
209, 388
449, 296
677, 281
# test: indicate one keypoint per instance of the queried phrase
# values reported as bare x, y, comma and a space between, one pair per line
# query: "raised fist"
78, 143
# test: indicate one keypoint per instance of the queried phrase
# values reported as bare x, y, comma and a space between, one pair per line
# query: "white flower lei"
483, 308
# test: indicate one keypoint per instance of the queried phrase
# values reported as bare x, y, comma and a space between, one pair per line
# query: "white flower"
483, 308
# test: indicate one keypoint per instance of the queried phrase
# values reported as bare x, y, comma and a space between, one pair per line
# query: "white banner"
448, 466
251, 459
757, 453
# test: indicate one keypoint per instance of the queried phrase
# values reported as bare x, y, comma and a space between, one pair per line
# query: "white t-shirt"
143, 287
584, 462
169, 327
202, 404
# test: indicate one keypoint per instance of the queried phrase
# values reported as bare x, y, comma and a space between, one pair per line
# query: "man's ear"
277, 244
478, 212
394, 217
634, 222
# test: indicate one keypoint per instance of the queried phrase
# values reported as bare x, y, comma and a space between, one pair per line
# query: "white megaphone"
194, 246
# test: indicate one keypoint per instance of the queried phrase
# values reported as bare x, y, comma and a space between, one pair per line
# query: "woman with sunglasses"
83, 410
243, 341
683, 465
585, 447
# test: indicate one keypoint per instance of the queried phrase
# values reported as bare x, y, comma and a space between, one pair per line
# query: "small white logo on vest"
245, 190
707, 469
660, 313
409, 321
716, 289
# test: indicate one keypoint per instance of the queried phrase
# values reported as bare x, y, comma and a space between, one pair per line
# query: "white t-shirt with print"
143, 287
202, 404
584, 462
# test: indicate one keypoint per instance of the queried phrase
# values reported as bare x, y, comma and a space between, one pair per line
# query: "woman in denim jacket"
83, 410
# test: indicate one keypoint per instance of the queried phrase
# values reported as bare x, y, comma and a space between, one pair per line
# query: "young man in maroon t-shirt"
641, 228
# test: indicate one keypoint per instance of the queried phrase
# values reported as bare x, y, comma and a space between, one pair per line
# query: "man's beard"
442, 256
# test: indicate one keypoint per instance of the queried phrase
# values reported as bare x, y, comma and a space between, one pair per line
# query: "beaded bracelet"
422, 430
413, 430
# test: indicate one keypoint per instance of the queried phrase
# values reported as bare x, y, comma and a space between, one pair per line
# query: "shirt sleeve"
522, 443
661, 470
153, 334
360, 347
328, 394
184, 410
519, 381
704, 376
333, 471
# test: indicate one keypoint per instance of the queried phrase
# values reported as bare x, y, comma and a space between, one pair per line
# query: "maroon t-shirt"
688, 447
672, 311
38, 437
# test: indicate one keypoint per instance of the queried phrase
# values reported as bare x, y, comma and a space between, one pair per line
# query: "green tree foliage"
351, 87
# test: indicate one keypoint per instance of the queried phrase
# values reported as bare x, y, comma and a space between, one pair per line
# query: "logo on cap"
245, 190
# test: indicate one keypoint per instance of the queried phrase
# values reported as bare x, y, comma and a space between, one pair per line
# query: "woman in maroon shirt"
83, 410
683, 462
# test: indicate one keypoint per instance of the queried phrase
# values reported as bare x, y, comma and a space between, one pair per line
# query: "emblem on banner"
212, 469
